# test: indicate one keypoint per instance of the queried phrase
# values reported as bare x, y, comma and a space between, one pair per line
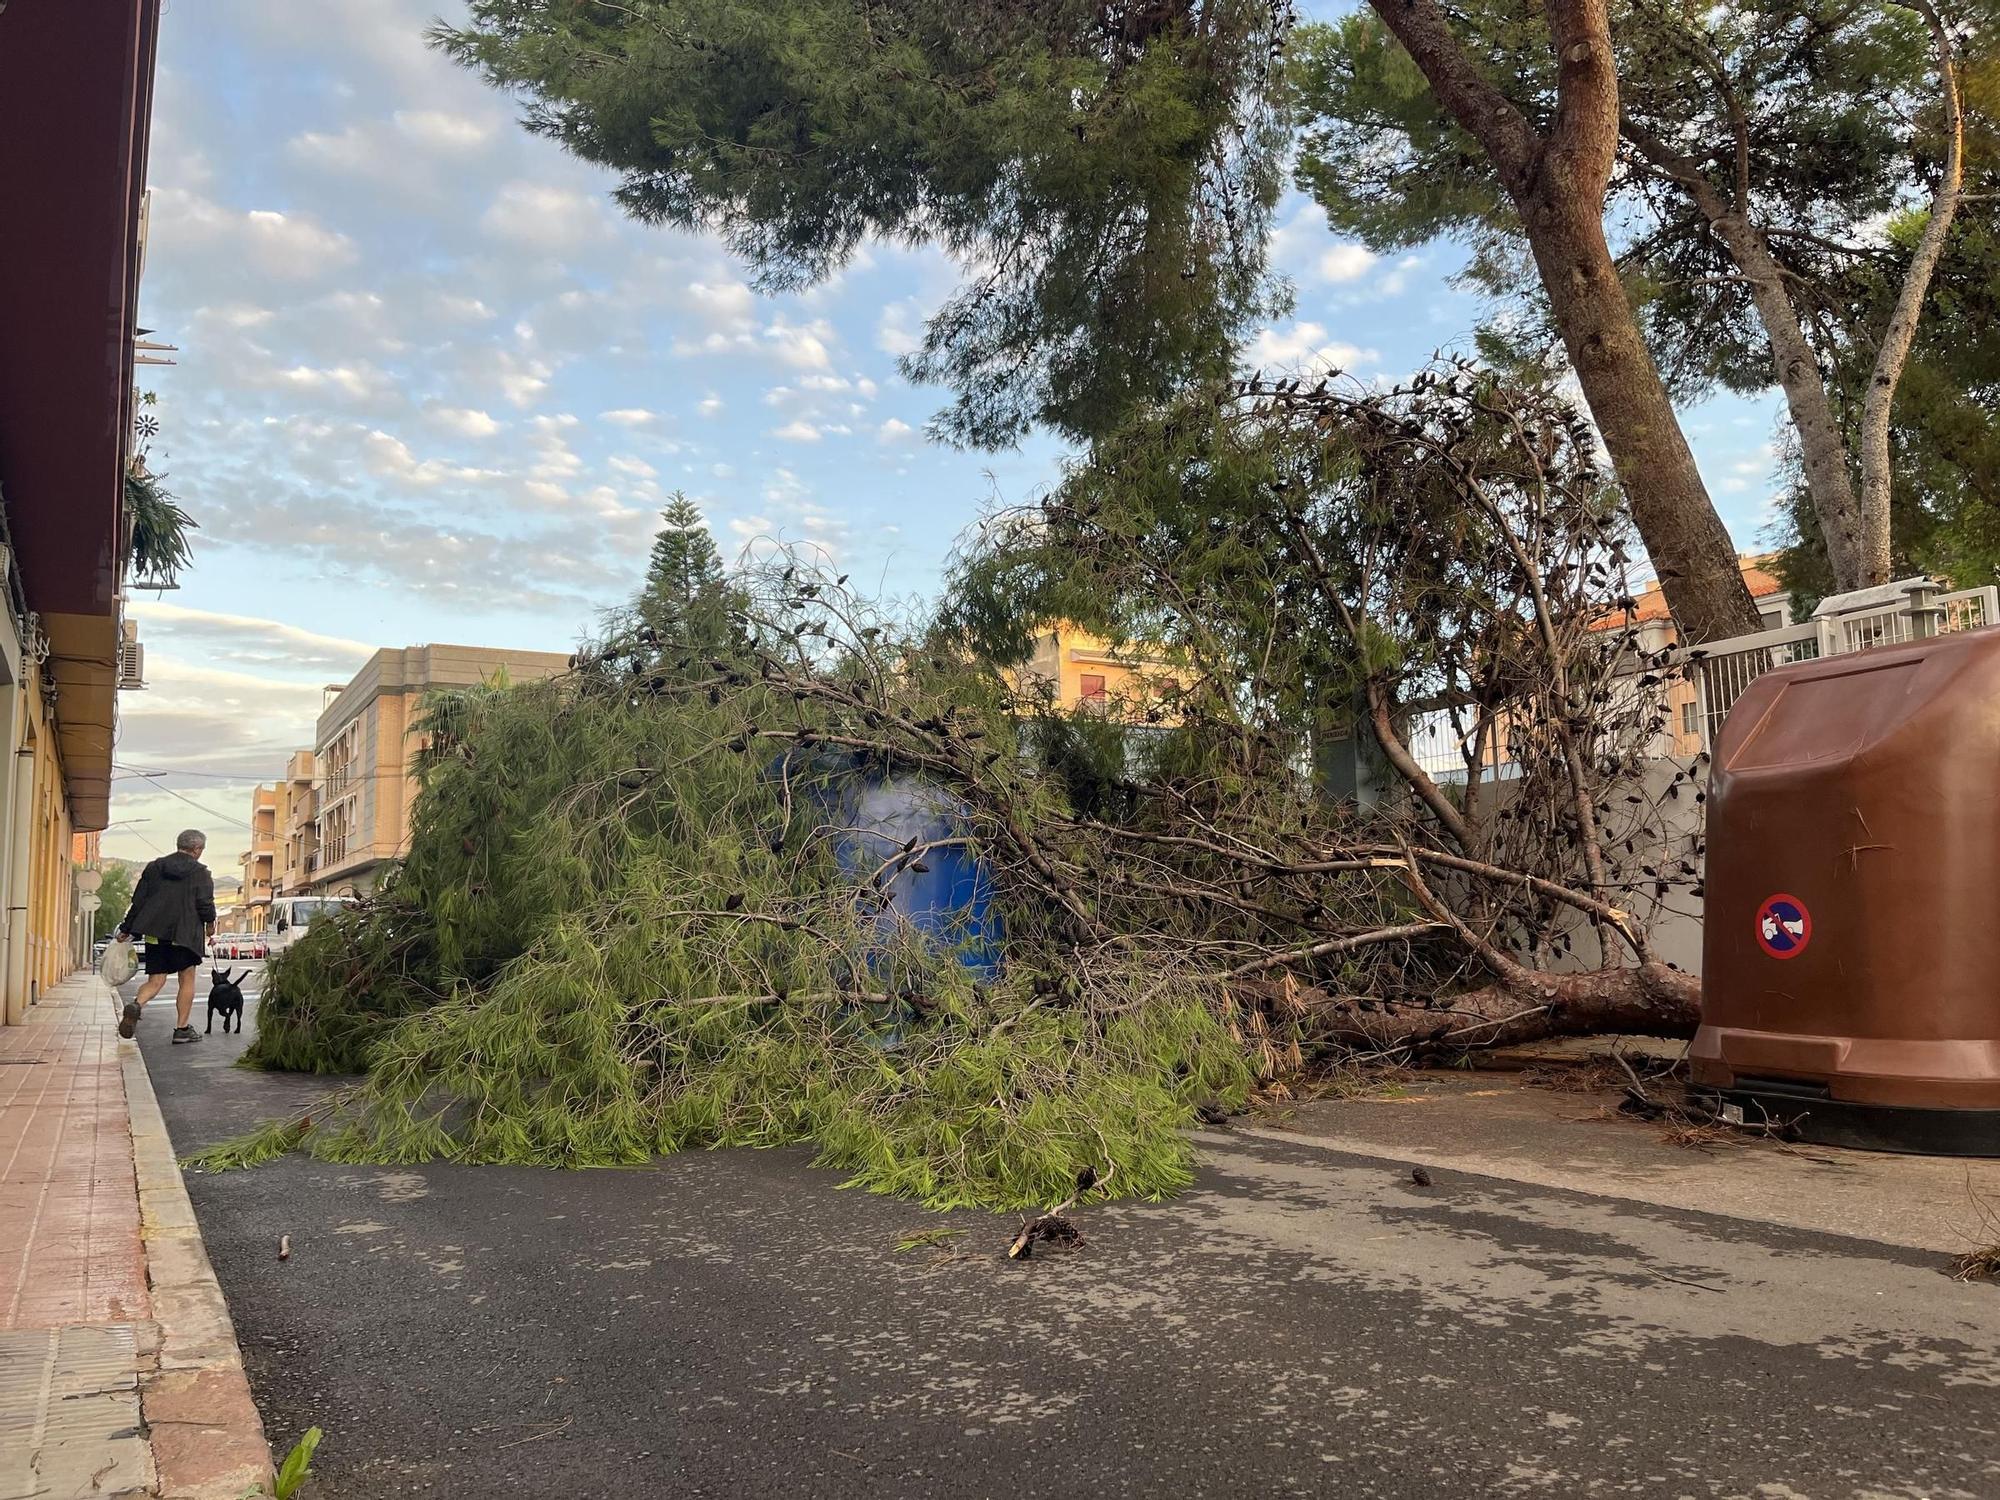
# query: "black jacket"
175, 903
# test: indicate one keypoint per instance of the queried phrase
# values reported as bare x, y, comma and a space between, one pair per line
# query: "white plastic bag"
120, 962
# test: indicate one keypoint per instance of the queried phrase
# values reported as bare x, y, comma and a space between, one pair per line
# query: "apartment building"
76, 83
365, 756
298, 825
1085, 672
259, 861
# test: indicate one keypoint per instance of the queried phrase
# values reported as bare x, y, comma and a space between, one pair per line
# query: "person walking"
174, 911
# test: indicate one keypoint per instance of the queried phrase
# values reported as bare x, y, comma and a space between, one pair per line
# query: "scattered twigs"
1055, 1227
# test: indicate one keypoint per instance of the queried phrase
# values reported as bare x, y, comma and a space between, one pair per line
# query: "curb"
208, 1441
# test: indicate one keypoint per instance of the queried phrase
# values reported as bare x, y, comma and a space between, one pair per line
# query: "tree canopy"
1759, 143
1104, 172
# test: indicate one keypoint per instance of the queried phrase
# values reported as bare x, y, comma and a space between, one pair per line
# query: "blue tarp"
951, 898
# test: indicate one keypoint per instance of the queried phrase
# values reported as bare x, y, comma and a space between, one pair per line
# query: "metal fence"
1888, 616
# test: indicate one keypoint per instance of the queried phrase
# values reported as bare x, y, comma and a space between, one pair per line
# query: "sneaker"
129, 1021
185, 1034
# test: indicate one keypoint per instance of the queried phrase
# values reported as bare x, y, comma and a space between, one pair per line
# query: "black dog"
225, 994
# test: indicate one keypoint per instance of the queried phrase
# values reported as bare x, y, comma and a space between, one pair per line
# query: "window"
1092, 685
1688, 719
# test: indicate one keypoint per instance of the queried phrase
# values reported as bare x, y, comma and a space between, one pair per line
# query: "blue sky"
432, 387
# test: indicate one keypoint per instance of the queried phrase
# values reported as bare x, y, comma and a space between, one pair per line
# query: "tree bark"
1557, 183
1650, 1000
1843, 520
1894, 351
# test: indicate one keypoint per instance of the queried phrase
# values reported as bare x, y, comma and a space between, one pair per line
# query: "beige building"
259, 860
298, 826
365, 756
1086, 673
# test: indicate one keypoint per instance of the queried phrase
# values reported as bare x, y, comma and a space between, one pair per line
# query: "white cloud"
390, 456
235, 316
443, 132
358, 151
724, 304
465, 421
807, 346
272, 639
786, 488
1305, 347
355, 383
709, 405
522, 381
895, 430
1393, 282
896, 330
287, 247
460, 309
293, 245
1345, 262
543, 217
630, 416
799, 431
637, 468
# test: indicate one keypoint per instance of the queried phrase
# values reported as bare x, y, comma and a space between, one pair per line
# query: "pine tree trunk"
1901, 334
1558, 184
1686, 539
1651, 1000
1828, 480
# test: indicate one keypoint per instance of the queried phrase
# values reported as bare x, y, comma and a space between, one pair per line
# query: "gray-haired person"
174, 911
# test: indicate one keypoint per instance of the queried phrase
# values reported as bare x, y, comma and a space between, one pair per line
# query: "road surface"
1303, 1323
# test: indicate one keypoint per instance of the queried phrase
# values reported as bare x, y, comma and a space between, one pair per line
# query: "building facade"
1085, 673
364, 783
260, 860
298, 825
78, 79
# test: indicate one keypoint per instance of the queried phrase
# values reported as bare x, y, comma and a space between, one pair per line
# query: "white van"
292, 916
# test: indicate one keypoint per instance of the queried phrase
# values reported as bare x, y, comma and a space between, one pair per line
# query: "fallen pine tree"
633, 919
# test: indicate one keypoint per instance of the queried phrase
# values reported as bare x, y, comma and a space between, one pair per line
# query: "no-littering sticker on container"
1784, 926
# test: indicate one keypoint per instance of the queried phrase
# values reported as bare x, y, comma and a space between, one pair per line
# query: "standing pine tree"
687, 599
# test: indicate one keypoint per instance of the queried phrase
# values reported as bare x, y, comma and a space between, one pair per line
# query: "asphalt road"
1302, 1323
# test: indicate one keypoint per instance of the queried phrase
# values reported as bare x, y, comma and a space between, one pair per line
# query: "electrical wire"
198, 807
143, 772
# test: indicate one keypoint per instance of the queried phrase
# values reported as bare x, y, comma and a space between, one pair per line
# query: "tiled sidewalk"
69, 1202
119, 1372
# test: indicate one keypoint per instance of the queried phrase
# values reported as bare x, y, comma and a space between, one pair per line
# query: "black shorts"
170, 958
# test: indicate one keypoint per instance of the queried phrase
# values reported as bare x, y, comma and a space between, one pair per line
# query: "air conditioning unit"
131, 659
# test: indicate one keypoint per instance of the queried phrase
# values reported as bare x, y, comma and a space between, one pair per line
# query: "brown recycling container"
1851, 949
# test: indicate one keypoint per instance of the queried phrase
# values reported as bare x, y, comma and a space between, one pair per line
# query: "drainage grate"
69, 1414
